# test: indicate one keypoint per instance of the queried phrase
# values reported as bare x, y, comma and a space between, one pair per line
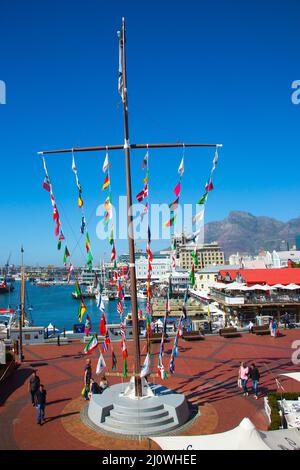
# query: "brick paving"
206, 372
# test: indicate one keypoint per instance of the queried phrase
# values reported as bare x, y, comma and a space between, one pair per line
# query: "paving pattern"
205, 371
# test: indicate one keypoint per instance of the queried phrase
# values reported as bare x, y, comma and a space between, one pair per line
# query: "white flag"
215, 160
181, 167
199, 216
121, 65
74, 165
146, 366
101, 365
106, 164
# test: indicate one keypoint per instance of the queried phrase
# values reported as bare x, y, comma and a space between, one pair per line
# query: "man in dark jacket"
255, 376
41, 404
33, 386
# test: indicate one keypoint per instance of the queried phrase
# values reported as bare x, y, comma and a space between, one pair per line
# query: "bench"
230, 332
192, 335
261, 330
156, 338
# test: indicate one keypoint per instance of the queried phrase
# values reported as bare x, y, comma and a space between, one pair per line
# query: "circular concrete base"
161, 413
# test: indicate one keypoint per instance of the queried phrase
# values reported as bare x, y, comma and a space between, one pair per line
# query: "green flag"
203, 199
195, 257
125, 367
114, 362
192, 275
111, 236
89, 261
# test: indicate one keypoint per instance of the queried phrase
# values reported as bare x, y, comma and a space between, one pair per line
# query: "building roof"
285, 255
215, 268
273, 276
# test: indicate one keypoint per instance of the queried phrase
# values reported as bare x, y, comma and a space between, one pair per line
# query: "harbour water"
55, 305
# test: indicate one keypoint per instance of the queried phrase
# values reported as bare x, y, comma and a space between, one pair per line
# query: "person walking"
255, 376
33, 386
286, 320
41, 404
87, 378
244, 376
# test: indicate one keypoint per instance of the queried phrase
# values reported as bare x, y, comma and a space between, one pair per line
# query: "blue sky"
198, 71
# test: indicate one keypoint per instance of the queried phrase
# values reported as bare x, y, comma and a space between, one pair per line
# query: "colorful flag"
111, 236
174, 205
106, 183
203, 199
120, 307
192, 275
91, 345
66, 255
106, 164
100, 365
146, 366
89, 261
77, 289
209, 186
140, 196
125, 367
181, 168
87, 326
161, 370
107, 203
69, 271
145, 161
102, 327
47, 184
172, 365
80, 201
113, 361
87, 242
199, 216
81, 311
124, 349
177, 189
171, 222
83, 224
195, 257
121, 65
113, 254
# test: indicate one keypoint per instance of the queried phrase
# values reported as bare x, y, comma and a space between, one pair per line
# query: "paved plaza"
205, 371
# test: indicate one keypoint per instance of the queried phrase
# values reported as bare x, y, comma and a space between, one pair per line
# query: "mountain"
246, 233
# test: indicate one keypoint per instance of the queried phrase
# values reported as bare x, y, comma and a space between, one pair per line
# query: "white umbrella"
243, 437
261, 287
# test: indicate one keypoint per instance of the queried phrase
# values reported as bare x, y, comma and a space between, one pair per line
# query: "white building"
160, 268
281, 258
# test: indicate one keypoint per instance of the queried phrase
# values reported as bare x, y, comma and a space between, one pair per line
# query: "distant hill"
246, 233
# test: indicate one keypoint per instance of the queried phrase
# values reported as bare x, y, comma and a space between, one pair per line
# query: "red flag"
140, 196
120, 307
209, 186
102, 327
46, 184
177, 189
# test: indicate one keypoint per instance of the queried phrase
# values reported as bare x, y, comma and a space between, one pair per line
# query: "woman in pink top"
244, 376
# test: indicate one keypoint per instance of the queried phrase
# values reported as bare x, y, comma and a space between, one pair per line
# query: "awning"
293, 375
243, 437
261, 287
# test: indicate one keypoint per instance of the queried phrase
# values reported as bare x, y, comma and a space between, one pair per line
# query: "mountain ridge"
244, 232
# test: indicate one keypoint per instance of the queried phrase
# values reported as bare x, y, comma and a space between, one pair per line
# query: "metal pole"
131, 146
134, 306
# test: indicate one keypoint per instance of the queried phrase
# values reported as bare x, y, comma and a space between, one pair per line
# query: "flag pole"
131, 146
133, 288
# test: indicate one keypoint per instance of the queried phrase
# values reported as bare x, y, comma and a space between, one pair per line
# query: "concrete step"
154, 423
137, 410
138, 417
135, 430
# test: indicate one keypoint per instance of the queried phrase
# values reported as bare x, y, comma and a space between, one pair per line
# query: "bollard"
64, 332
58, 340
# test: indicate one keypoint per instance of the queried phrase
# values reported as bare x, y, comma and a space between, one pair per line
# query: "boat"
142, 294
43, 284
6, 284
89, 293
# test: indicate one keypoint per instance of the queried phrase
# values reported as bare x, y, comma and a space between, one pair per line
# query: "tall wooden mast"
22, 312
127, 147
133, 289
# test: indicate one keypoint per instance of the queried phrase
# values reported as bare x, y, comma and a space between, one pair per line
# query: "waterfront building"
246, 294
160, 267
208, 275
281, 258
207, 254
